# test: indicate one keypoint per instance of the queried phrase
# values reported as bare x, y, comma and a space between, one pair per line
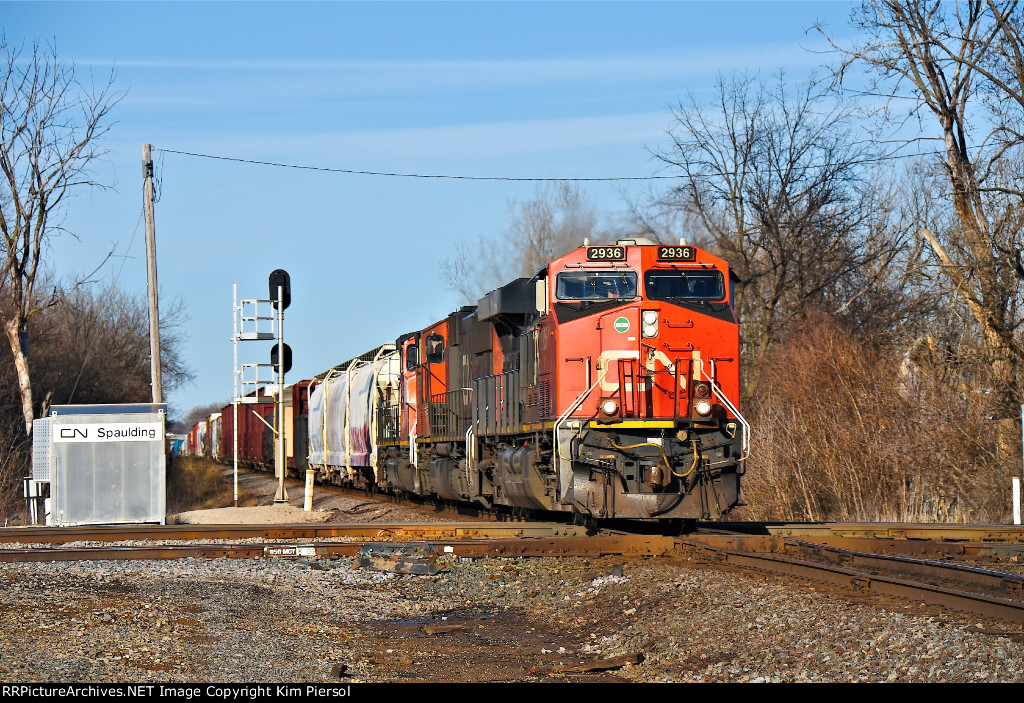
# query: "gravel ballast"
532, 619
522, 620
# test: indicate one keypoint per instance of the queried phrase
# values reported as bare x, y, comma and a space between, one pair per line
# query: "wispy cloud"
379, 76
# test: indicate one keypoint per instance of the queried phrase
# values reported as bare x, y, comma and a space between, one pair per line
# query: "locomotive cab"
645, 362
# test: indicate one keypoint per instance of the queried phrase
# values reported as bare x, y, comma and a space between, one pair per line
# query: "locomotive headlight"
609, 407
703, 407
650, 323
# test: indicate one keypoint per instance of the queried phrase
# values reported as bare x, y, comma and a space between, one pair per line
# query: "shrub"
843, 431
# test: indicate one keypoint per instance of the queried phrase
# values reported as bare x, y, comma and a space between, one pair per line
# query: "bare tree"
554, 221
50, 125
777, 180
198, 414
94, 347
961, 64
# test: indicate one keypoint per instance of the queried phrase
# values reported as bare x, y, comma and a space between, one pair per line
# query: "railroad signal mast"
263, 320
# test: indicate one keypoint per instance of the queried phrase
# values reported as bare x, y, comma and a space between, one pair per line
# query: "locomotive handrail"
449, 413
572, 408
470, 454
562, 418
728, 404
496, 404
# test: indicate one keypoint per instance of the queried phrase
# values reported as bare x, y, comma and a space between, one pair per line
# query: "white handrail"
470, 456
563, 489
572, 408
728, 404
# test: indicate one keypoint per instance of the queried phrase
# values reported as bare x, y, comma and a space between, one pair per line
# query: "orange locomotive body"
606, 385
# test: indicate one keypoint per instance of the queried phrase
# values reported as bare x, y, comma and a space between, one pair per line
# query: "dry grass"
845, 432
194, 483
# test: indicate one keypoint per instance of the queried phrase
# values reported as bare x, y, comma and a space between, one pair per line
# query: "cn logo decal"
621, 324
110, 432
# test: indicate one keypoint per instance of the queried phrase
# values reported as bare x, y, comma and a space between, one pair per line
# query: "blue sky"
532, 89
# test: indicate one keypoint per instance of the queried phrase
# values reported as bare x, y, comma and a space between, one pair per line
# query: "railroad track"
405, 548
893, 530
983, 591
290, 531
896, 561
956, 541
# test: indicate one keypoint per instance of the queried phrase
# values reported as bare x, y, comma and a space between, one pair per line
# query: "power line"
404, 175
355, 172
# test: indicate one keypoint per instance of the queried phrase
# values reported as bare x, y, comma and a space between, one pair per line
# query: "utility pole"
235, 312
154, 315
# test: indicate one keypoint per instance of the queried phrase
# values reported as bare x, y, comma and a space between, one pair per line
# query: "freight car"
606, 385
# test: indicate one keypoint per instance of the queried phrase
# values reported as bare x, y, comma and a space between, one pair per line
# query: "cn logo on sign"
110, 432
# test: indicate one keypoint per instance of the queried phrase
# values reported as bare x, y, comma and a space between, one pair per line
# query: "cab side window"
412, 357
596, 285
435, 349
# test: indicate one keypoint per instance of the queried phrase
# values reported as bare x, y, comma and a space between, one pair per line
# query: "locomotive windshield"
596, 285
674, 284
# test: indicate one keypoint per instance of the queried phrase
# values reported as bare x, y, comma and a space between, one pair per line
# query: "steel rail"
410, 531
958, 574
525, 547
968, 551
878, 560
874, 530
761, 556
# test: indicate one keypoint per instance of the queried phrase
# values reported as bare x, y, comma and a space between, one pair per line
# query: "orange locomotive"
606, 385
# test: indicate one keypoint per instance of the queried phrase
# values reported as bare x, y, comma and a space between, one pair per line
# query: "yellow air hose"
663, 455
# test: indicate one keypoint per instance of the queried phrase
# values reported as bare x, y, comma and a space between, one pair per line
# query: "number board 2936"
676, 253
606, 253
